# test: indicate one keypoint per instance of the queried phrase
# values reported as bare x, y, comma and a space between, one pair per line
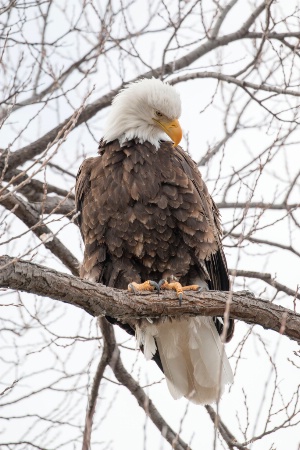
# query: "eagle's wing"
95, 251
190, 351
82, 187
216, 265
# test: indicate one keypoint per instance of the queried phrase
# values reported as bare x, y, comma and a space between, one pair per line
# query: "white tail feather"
192, 355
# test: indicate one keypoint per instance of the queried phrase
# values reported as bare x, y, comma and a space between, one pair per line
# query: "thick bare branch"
55, 205
34, 189
98, 300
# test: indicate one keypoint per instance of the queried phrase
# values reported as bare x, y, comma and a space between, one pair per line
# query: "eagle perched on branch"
148, 223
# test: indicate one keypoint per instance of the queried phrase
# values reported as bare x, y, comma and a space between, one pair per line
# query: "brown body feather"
146, 213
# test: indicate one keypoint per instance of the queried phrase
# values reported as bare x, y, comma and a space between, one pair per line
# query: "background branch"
143, 400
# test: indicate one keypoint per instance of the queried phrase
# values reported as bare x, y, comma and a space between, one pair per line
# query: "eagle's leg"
148, 285
174, 285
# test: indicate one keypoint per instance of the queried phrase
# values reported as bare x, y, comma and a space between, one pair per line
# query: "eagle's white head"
147, 109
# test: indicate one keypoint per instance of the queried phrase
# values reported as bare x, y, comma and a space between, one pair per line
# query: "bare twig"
225, 433
25, 212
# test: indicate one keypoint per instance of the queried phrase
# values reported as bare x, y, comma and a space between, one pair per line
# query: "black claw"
180, 299
133, 288
162, 281
155, 285
159, 285
202, 289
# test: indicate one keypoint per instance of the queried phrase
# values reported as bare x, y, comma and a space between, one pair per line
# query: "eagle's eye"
158, 113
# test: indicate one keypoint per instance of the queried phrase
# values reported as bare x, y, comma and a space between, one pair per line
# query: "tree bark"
98, 300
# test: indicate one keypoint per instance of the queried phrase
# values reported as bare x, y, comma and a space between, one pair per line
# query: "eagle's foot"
174, 285
148, 285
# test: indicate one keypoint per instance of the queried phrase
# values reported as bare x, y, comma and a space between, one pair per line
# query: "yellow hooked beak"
172, 128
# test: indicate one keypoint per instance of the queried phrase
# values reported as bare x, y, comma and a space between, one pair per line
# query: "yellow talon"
192, 287
176, 286
148, 285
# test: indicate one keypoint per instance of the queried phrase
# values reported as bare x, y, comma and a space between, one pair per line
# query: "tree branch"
224, 11
129, 382
30, 151
35, 189
98, 300
108, 352
230, 79
225, 433
267, 278
241, 237
56, 205
30, 217
260, 205
66, 206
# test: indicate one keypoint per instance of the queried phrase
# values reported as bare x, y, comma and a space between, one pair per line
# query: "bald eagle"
148, 222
